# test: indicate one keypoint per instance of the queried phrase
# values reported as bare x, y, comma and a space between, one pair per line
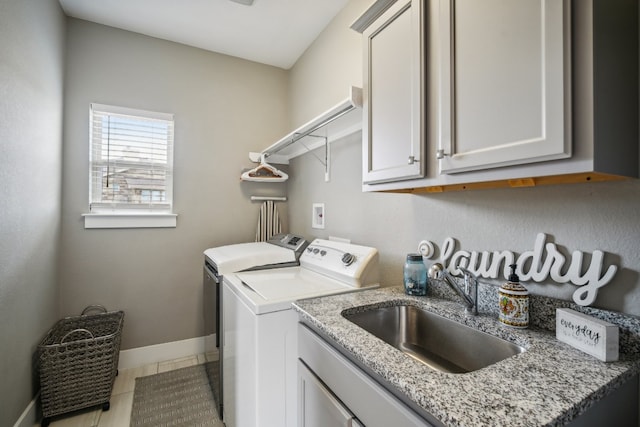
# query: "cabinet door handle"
412, 159
440, 154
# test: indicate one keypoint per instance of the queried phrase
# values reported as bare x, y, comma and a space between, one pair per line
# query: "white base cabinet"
334, 392
332, 387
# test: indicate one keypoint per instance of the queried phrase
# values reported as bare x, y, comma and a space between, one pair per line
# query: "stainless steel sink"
440, 343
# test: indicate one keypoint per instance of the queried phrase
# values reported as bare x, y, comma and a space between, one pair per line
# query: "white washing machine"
260, 328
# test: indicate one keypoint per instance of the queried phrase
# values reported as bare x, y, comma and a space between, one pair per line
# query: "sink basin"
439, 343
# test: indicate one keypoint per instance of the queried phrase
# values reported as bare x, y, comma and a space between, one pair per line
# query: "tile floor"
119, 413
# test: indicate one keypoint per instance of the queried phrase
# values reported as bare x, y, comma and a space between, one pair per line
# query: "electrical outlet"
317, 215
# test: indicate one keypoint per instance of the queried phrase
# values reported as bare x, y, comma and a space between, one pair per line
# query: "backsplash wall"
581, 217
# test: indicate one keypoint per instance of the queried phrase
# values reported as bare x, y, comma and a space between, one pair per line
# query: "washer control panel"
343, 261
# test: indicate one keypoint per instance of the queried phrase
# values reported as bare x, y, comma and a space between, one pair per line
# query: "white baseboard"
141, 356
29, 417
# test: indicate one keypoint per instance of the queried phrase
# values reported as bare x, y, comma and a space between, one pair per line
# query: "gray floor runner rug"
181, 397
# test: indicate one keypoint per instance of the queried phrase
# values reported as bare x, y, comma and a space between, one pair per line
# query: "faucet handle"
436, 271
467, 274
469, 290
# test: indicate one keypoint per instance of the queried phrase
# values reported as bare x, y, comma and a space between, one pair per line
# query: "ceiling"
273, 32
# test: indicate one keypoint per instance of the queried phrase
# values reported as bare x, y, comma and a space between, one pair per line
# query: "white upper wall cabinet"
393, 95
505, 84
525, 93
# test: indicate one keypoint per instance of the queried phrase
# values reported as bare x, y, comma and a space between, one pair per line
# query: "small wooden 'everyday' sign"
593, 336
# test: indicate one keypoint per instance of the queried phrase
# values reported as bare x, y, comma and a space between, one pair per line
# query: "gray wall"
582, 217
31, 78
322, 76
221, 106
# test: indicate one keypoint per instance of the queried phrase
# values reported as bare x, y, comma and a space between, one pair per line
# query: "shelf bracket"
327, 155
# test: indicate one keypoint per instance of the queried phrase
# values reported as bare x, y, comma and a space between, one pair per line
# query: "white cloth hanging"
268, 222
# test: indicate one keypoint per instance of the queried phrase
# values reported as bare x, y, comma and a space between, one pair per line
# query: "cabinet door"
318, 406
393, 143
504, 81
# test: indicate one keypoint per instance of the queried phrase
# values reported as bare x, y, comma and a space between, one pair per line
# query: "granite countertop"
547, 385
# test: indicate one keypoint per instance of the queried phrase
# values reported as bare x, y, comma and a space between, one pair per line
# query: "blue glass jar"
415, 275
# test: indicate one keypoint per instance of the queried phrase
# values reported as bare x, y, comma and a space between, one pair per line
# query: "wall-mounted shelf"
339, 121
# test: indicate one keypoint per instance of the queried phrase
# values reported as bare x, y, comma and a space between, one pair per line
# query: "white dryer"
281, 250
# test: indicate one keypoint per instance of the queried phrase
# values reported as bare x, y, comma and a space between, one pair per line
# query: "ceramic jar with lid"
513, 302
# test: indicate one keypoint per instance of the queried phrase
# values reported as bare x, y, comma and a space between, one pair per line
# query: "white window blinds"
131, 157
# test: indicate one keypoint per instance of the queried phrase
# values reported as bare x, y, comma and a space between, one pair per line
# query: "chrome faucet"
470, 292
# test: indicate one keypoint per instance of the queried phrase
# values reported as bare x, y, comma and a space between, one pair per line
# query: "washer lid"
273, 290
288, 283
231, 258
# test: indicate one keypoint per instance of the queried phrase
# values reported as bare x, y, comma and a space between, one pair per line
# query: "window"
131, 161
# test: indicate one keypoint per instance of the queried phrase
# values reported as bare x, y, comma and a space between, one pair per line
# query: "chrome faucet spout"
469, 294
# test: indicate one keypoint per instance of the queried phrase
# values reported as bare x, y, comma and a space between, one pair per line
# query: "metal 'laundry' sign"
544, 261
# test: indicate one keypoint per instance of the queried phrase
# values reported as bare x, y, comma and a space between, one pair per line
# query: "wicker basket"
78, 361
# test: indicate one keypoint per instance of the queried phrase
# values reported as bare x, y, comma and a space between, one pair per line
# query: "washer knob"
348, 259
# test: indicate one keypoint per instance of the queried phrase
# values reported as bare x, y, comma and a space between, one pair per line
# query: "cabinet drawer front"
317, 406
373, 405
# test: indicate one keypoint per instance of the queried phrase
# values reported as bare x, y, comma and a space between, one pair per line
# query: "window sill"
130, 220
